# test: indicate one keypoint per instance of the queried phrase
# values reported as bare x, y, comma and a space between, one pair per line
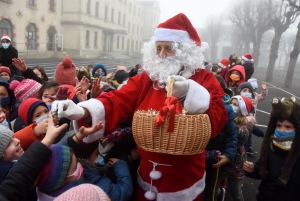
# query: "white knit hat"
253, 82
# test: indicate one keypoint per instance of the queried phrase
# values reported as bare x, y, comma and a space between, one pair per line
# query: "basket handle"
170, 87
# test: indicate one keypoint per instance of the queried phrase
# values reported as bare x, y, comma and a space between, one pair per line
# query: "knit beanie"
121, 75
84, 192
246, 85
283, 109
65, 72
96, 66
245, 104
5, 69
55, 171
27, 88
83, 72
5, 137
253, 82
26, 109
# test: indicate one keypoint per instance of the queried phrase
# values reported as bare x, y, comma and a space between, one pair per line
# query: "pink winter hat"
83, 192
27, 88
65, 72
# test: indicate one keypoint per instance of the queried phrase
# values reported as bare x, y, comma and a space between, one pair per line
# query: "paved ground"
250, 186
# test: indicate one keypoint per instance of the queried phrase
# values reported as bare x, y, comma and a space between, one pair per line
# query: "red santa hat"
5, 36
245, 104
224, 63
248, 57
177, 29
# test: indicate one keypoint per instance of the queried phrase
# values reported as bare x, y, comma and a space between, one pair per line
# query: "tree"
294, 54
213, 27
281, 20
253, 20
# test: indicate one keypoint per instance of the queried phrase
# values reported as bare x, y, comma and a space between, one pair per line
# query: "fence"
36, 48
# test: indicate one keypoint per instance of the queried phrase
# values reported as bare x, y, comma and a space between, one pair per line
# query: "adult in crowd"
7, 53
165, 55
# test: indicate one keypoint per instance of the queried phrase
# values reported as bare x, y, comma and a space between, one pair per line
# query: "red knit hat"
177, 29
26, 109
224, 63
83, 192
245, 104
5, 36
65, 72
248, 57
27, 88
5, 69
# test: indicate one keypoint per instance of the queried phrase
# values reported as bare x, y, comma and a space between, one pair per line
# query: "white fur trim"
246, 59
197, 98
253, 82
97, 111
163, 34
187, 194
242, 105
6, 37
221, 65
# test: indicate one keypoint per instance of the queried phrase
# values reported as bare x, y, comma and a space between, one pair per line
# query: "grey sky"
196, 10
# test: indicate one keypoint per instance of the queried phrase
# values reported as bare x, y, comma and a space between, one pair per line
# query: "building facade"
84, 28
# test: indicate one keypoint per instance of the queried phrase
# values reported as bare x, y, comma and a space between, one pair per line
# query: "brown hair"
41, 69
46, 85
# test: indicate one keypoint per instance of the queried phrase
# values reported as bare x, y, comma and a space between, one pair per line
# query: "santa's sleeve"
215, 106
113, 109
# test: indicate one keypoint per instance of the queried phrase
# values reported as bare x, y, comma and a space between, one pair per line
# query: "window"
96, 39
136, 46
122, 43
124, 17
137, 30
128, 27
88, 7
141, 30
87, 38
130, 7
119, 18
31, 36
6, 27
139, 13
132, 45
106, 12
51, 8
112, 15
133, 28
31, 3
134, 10
118, 41
97, 9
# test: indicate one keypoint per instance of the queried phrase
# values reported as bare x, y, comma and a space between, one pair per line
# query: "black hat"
121, 76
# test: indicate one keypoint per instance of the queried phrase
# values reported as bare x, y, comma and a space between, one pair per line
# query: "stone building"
84, 28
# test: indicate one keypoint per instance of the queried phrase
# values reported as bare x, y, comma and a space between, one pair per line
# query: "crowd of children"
68, 162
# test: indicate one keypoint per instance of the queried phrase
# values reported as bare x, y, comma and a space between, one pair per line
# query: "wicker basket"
190, 136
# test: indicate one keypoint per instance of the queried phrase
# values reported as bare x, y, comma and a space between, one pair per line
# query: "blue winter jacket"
119, 191
226, 140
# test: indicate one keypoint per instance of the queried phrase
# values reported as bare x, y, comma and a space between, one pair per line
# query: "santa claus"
175, 51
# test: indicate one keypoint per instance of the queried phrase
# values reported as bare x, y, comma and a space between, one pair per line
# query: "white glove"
67, 109
180, 86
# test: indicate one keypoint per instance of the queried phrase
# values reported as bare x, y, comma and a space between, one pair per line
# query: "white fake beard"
159, 69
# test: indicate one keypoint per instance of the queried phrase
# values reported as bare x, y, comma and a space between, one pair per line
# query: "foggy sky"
196, 10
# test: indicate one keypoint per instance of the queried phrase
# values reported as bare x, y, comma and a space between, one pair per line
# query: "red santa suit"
182, 176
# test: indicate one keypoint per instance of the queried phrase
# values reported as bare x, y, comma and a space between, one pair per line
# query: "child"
234, 172
20, 176
99, 70
5, 73
27, 88
235, 76
279, 163
47, 91
40, 72
223, 67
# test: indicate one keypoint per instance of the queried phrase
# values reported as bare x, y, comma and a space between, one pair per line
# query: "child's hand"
248, 166
134, 154
79, 94
84, 84
83, 132
263, 85
112, 161
52, 131
41, 128
222, 161
96, 88
19, 64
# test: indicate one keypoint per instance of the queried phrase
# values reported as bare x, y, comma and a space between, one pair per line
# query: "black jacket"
6, 55
249, 70
268, 188
25, 172
29, 74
